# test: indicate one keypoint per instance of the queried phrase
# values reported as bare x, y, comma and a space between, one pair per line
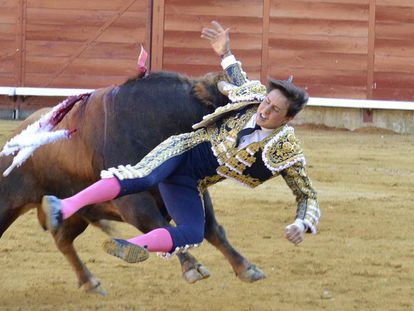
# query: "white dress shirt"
256, 136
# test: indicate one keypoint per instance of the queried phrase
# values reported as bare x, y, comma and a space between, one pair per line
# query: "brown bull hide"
117, 125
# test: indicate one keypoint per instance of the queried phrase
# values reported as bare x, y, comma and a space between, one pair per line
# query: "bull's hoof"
199, 272
94, 287
97, 290
251, 274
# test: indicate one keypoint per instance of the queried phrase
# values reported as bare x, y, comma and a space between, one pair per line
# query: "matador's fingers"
294, 234
208, 33
218, 26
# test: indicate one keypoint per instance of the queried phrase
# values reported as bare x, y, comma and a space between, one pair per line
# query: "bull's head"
206, 90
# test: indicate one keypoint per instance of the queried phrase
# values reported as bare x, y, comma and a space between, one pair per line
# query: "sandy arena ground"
361, 259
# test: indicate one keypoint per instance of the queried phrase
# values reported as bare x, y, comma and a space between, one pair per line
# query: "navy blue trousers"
177, 179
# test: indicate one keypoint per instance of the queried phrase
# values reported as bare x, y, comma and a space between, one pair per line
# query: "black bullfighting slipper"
51, 206
128, 252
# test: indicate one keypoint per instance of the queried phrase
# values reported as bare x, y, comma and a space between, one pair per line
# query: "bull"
118, 125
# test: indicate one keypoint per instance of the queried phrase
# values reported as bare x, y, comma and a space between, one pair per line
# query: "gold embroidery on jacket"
301, 186
223, 139
244, 179
208, 181
246, 158
282, 150
247, 93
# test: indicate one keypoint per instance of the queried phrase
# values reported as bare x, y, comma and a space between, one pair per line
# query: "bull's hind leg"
64, 237
215, 234
8, 215
146, 212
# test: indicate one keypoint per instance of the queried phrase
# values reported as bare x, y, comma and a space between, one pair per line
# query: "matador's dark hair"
296, 96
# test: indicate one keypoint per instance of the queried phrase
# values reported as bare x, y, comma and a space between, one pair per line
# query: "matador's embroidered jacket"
278, 154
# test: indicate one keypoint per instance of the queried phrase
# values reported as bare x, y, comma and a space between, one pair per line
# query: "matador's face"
272, 110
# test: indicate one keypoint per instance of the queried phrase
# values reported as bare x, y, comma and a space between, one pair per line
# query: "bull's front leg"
215, 234
193, 271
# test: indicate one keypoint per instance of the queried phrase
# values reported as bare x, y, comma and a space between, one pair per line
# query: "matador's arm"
307, 203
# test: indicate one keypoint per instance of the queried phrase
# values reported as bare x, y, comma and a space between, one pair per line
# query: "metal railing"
313, 101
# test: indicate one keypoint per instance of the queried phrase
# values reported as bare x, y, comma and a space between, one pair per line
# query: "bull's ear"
225, 87
206, 90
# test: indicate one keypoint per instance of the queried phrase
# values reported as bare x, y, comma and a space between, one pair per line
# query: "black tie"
246, 131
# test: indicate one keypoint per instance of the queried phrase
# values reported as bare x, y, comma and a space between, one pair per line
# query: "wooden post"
148, 35
368, 114
371, 50
264, 72
21, 43
157, 26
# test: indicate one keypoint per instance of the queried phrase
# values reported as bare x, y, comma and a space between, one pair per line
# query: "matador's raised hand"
218, 37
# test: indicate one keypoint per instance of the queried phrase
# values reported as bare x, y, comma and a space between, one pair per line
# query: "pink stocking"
103, 190
158, 240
